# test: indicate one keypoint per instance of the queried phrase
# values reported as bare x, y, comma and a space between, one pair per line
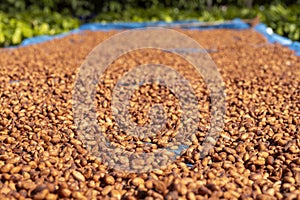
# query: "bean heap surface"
255, 157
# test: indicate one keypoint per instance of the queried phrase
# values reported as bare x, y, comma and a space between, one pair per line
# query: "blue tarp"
234, 24
275, 38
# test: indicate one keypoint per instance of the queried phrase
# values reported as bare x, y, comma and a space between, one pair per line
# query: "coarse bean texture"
255, 157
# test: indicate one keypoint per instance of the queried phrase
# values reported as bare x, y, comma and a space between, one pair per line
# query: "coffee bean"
116, 194
159, 186
65, 193
14, 160
78, 195
106, 190
270, 160
255, 157
109, 180
41, 195
138, 181
6, 168
78, 176
181, 188
51, 196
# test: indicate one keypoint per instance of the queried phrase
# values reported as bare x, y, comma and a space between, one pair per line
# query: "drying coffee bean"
255, 157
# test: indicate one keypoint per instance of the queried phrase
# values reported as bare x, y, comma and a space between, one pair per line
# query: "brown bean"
78, 176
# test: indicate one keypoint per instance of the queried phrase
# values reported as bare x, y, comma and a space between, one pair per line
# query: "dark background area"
87, 8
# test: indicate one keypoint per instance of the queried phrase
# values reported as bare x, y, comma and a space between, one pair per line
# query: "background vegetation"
21, 19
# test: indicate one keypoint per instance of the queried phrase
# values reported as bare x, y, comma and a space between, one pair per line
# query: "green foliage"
20, 19
283, 20
15, 28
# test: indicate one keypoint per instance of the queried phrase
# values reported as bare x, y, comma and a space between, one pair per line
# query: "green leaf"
2, 38
17, 36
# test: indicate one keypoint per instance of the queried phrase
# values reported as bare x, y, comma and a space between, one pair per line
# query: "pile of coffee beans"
257, 155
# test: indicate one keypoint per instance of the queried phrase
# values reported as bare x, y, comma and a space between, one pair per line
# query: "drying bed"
255, 157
